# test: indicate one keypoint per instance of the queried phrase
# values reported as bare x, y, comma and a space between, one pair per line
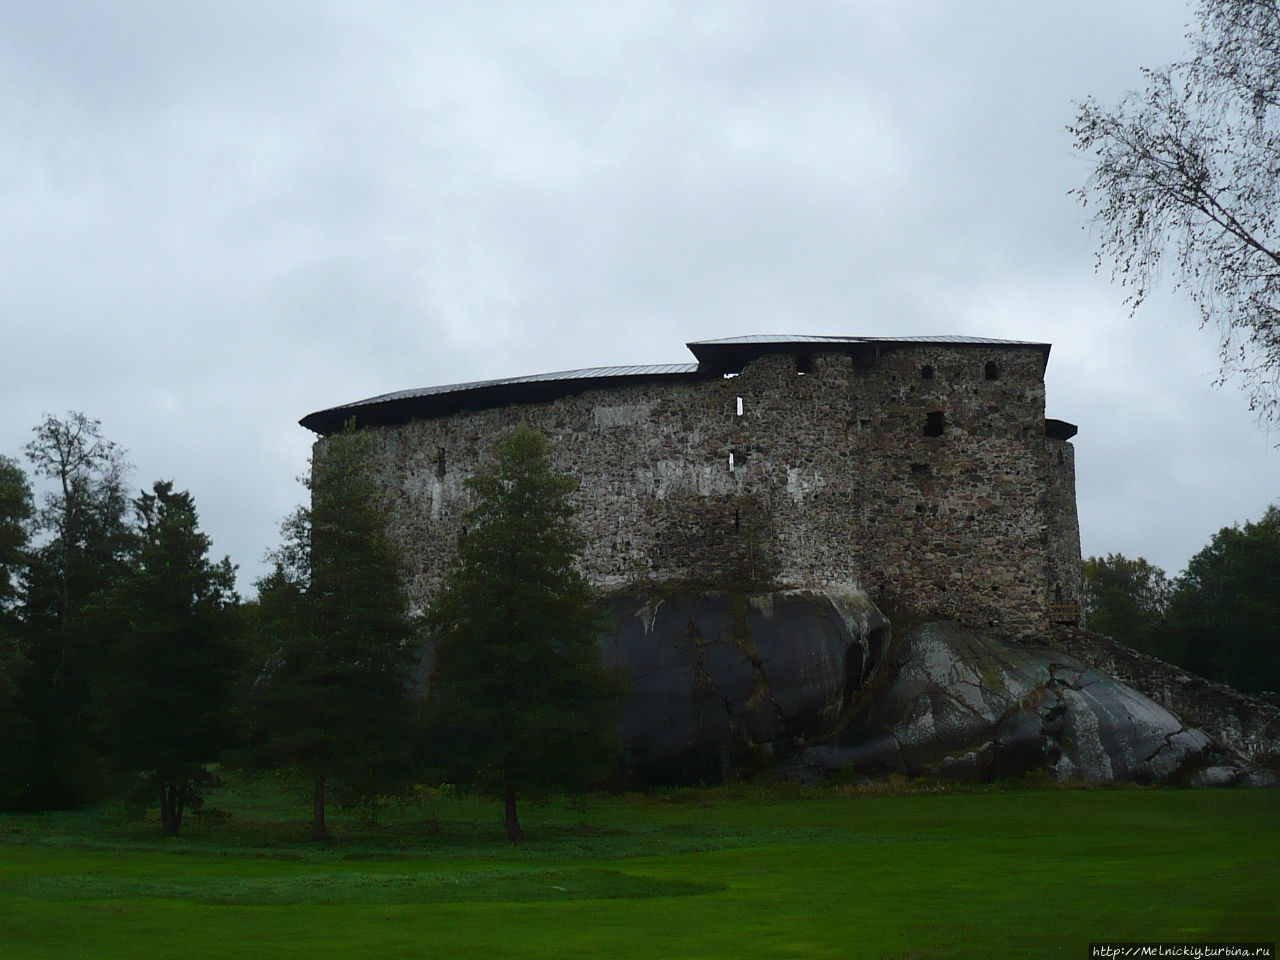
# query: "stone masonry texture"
936, 491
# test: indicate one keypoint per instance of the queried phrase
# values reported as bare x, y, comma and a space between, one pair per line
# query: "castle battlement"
921, 470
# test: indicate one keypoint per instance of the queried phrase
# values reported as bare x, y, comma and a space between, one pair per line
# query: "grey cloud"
219, 217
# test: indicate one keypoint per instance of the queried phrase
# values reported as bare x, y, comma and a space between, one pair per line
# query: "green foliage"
85, 516
1186, 171
1224, 616
335, 703
164, 683
1220, 618
16, 510
1126, 599
15, 733
519, 701
85, 549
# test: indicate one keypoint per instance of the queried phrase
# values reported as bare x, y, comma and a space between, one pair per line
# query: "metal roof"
774, 338
404, 405
731, 354
587, 373
715, 358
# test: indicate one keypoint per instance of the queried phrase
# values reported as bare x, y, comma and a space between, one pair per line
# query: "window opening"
739, 406
731, 461
933, 424
737, 518
804, 364
926, 372
439, 463
991, 371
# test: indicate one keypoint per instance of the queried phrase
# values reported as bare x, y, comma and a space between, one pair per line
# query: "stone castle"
921, 470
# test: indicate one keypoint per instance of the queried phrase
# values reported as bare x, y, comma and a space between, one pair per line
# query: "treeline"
130, 667
1219, 618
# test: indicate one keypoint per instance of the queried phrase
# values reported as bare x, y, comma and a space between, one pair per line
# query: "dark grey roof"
774, 338
405, 405
715, 358
731, 354
588, 373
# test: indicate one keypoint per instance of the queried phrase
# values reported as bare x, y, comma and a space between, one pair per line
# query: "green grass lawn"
738, 872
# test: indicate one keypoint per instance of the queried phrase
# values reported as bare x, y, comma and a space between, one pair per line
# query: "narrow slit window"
439, 463
739, 406
991, 371
933, 424
731, 461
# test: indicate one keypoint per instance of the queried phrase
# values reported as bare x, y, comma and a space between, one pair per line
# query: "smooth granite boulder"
952, 704
720, 679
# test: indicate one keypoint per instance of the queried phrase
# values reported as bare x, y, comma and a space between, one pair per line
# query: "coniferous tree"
334, 703
519, 701
164, 684
86, 545
16, 510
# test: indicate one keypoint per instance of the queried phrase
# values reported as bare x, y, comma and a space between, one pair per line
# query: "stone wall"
935, 490
1063, 574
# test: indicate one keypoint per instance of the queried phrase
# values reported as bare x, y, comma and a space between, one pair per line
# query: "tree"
1190, 167
86, 546
1224, 615
85, 516
519, 700
1126, 599
335, 703
16, 509
165, 684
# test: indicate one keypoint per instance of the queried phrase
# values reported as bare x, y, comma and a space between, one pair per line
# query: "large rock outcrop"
721, 678
809, 681
952, 704
1249, 724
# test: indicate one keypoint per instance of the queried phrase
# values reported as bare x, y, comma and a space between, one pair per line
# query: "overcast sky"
217, 217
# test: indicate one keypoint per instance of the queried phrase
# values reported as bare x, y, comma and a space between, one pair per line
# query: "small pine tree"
519, 701
168, 659
334, 704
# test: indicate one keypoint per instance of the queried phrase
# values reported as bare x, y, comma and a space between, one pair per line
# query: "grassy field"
737, 872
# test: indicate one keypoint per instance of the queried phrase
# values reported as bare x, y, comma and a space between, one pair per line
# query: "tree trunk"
168, 817
179, 806
318, 829
514, 833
